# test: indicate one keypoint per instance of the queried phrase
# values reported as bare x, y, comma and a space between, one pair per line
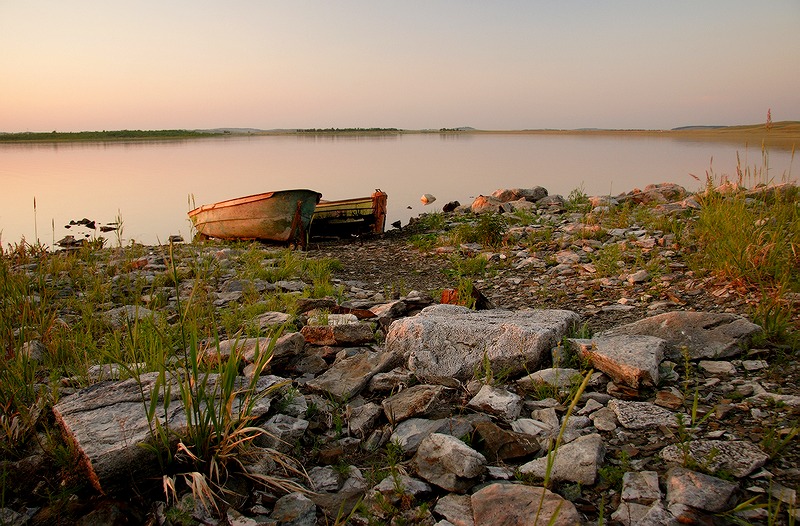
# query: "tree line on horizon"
102, 135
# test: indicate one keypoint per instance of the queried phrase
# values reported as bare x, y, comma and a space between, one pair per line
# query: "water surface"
152, 184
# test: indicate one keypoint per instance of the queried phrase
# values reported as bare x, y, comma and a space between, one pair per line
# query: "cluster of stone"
475, 406
465, 442
552, 259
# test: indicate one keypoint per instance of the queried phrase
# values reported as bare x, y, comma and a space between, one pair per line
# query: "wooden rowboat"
283, 216
350, 217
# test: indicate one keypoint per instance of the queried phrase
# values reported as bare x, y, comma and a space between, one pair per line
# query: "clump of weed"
488, 231
522, 217
539, 238
776, 440
752, 238
430, 222
468, 267
577, 200
607, 260
613, 470
425, 242
486, 374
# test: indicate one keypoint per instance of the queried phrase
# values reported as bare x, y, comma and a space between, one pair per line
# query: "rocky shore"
572, 394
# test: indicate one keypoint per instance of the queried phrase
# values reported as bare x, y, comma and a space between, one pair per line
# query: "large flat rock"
577, 461
447, 343
108, 424
737, 457
701, 334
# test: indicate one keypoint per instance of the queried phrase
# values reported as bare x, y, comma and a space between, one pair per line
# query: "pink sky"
86, 65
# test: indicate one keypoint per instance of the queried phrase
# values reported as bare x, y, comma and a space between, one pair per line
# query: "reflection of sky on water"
151, 184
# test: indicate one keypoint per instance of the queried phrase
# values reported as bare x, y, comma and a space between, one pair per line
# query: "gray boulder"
486, 204
577, 461
502, 503
496, 401
446, 344
514, 194
702, 334
416, 401
449, 463
346, 378
295, 509
737, 457
641, 415
699, 491
108, 425
410, 433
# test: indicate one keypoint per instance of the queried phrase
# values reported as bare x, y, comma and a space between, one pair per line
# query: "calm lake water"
152, 184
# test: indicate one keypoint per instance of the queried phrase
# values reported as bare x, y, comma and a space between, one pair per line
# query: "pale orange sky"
88, 65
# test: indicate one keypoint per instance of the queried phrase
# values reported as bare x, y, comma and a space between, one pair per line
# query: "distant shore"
782, 135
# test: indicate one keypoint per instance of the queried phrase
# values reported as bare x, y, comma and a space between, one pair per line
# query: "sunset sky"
105, 65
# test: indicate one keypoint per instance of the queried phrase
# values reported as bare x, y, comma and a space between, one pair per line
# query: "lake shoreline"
783, 135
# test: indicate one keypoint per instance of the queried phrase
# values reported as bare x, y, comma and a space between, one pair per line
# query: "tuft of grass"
488, 376
753, 239
468, 267
577, 200
539, 238
488, 231
55, 301
607, 260
775, 442
430, 222
425, 242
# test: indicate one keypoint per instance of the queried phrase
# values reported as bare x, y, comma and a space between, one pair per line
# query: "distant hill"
698, 128
232, 130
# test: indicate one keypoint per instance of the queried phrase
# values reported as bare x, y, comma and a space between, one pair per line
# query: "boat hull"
282, 216
350, 217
